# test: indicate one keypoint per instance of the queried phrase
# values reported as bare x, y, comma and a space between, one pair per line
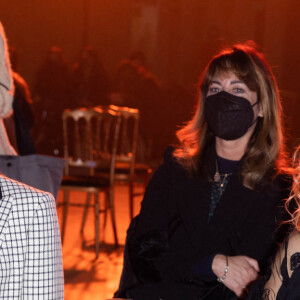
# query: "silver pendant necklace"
218, 178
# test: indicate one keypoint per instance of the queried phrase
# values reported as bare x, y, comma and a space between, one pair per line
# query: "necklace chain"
218, 178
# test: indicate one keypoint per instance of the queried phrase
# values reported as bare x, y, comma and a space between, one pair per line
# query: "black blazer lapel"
193, 198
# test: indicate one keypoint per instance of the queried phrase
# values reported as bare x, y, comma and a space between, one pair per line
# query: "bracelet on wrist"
221, 279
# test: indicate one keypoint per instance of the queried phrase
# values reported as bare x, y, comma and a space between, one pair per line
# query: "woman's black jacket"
171, 234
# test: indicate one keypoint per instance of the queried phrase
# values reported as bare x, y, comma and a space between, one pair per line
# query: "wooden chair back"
90, 140
127, 143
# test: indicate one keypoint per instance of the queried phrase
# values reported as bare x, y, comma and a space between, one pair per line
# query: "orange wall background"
177, 36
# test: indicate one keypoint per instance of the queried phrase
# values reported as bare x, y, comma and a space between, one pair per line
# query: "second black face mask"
228, 116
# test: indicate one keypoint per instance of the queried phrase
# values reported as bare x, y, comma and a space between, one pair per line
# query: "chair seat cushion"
124, 167
86, 181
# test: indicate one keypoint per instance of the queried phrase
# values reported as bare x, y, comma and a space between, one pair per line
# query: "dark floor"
85, 277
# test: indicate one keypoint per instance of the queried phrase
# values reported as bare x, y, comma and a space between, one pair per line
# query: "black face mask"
228, 116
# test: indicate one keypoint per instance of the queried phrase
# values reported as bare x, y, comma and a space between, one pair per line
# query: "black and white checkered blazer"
30, 247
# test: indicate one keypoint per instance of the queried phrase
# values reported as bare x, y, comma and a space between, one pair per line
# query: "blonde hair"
264, 152
295, 193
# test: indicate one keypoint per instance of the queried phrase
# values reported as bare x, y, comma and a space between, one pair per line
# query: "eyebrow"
215, 81
237, 81
231, 82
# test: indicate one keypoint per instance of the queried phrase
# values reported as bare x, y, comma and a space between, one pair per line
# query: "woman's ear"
260, 111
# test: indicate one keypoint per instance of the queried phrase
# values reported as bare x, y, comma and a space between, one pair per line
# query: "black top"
290, 286
171, 234
227, 165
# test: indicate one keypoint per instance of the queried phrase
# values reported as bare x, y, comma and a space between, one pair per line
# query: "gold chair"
127, 170
90, 142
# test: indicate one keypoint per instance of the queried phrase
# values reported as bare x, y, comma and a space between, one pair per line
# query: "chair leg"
131, 199
96, 207
65, 211
112, 213
106, 207
87, 203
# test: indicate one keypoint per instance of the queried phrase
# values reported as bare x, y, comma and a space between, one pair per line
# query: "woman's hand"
242, 271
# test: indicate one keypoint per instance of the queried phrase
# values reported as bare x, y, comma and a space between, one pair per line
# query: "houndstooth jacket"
30, 247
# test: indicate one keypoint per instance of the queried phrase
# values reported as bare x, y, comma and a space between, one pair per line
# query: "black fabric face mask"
228, 116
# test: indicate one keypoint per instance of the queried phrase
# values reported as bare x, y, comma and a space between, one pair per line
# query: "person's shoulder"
170, 159
169, 153
294, 241
280, 183
12, 188
283, 179
170, 166
293, 252
20, 201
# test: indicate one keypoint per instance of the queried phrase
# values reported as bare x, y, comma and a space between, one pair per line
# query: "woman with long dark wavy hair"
207, 222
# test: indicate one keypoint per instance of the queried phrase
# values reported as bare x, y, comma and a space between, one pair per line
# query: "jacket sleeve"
256, 239
43, 276
264, 229
148, 243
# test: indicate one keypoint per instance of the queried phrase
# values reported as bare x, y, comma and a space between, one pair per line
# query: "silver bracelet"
221, 279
